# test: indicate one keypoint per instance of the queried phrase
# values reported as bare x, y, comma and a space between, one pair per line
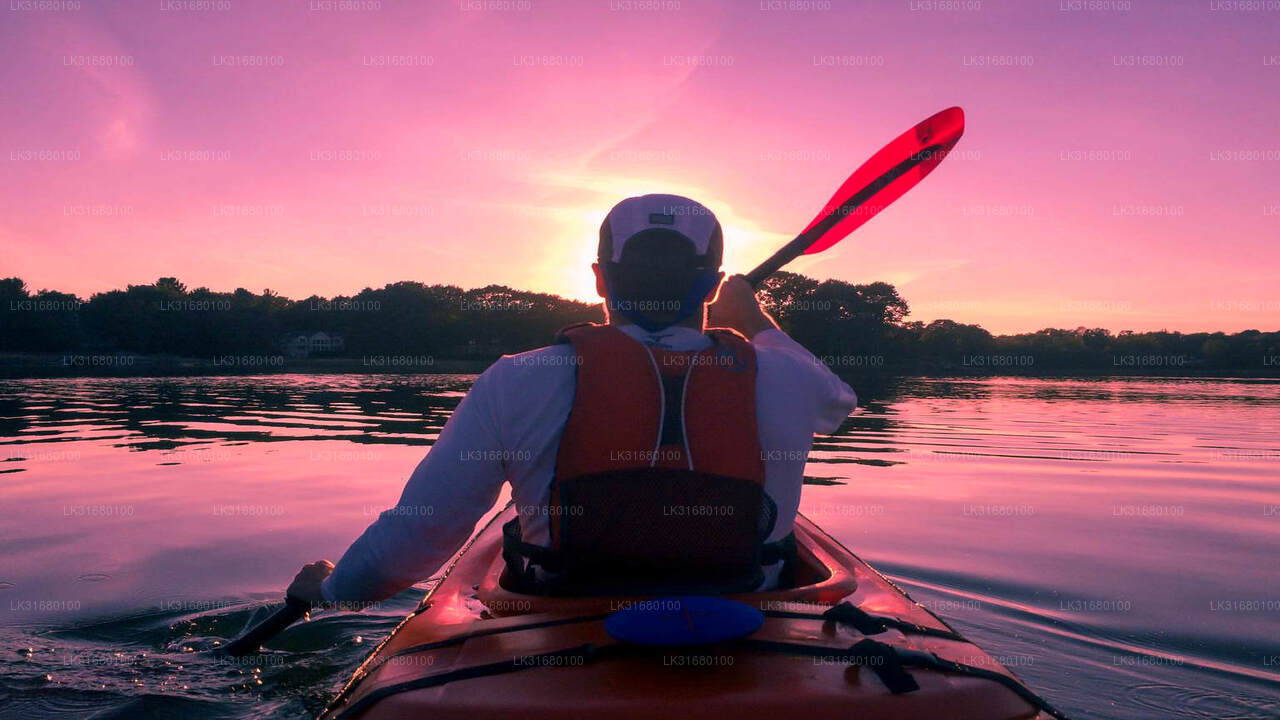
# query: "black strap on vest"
518, 554
673, 410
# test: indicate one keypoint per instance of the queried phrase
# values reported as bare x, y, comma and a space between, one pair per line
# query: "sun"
566, 266
580, 283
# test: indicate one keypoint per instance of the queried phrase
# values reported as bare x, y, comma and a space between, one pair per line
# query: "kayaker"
643, 450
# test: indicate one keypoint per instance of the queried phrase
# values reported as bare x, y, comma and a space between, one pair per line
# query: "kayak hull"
475, 649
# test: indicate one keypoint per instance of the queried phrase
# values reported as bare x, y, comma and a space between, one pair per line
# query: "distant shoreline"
860, 331
34, 366
15, 366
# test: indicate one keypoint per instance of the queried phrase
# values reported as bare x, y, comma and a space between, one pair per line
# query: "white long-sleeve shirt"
508, 428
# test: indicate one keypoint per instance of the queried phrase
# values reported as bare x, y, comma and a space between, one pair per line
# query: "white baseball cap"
671, 213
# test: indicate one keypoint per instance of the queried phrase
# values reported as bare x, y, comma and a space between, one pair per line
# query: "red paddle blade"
885, 177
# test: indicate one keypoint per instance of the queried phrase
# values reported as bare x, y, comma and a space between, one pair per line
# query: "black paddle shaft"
796, 247
251, 641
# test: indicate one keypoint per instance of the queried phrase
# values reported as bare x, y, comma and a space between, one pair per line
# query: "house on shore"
301, 345
477, 349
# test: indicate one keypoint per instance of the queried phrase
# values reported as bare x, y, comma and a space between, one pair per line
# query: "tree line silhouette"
850, 327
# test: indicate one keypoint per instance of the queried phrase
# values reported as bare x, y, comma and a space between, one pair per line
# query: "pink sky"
1120, 169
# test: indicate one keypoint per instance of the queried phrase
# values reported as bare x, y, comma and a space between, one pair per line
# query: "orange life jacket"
659, 479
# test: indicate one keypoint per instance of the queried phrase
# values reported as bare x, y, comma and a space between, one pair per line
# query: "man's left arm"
451, 489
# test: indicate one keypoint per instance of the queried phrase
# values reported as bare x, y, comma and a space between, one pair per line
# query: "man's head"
658, 261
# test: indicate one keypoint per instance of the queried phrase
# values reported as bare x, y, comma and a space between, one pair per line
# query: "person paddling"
647, 454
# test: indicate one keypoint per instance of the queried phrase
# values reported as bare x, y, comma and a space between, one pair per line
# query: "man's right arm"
737, 308
832, 398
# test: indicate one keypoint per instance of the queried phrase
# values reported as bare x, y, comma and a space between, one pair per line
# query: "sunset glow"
468, 144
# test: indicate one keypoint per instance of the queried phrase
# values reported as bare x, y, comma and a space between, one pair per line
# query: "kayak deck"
475, 649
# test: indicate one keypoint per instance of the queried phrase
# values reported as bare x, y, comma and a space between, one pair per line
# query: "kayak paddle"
889, 174
249, 643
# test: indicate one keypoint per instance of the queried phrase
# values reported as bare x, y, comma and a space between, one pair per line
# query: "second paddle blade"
892, 171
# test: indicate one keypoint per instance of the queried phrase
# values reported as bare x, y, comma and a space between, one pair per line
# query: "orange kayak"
845, 642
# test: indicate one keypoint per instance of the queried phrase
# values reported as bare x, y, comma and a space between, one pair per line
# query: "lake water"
1114, 542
